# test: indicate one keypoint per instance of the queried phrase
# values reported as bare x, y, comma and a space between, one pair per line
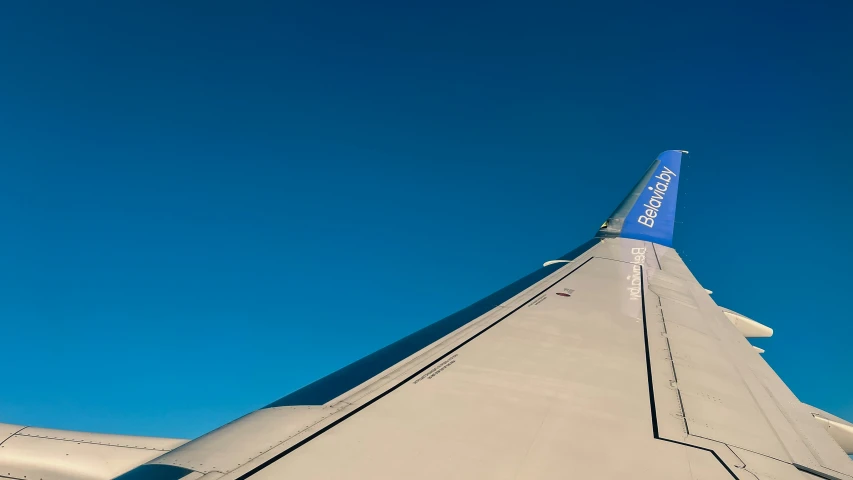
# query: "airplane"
609, 362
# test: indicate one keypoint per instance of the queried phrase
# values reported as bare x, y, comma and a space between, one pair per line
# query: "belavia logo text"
639, 254
658, 192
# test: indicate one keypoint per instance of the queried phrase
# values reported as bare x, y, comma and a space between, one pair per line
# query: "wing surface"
612, 362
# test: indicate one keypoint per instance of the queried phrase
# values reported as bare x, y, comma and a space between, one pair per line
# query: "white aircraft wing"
611, 362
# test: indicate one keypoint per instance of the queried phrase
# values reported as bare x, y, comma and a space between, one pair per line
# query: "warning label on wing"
438, 368
537, 301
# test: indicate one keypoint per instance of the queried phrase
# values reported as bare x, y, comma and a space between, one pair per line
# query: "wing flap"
729, 392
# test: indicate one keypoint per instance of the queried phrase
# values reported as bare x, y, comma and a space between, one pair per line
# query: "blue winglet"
648, 212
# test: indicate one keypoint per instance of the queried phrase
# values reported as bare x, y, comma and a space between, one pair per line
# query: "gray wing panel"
50, 454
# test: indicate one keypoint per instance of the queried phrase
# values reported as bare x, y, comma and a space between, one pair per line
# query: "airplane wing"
610, 362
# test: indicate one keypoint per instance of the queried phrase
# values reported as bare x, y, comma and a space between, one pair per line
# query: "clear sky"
207, 206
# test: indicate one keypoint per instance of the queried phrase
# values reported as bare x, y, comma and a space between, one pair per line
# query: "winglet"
648, 212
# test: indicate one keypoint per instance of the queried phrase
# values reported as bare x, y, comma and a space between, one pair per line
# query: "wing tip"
648, 211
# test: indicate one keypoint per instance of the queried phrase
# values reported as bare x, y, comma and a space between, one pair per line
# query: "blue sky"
208, 206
